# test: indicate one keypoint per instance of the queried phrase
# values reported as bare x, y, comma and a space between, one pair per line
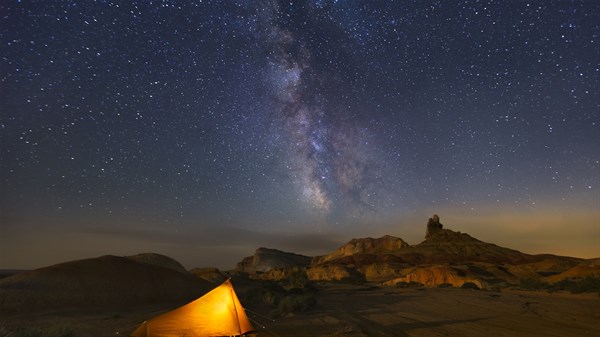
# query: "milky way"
305, 133
328, 157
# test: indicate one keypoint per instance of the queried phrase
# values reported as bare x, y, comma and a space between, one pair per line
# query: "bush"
298, 283
56, 330
566, 285
28, 332
411, 284
496, 288
588, 284
4, 329
296, 303
297, 280
113, 316
469, 285
268, 293
299, 295
355, 278
531, 284
480, 271
584, 285
60, 330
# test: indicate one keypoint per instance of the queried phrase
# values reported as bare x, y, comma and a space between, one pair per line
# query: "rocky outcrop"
433, 226
382, 245
333, 272
444, 257
377, 272
265, 259
277, 274
435, 276
447, 246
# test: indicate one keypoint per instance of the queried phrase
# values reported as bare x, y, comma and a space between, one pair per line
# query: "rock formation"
332, 272
437, 275
383, 245
433, 226
265, 259
444, 257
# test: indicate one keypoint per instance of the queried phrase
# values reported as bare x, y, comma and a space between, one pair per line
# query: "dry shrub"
55, 330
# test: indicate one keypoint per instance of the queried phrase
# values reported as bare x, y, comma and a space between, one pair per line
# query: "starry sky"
205, 129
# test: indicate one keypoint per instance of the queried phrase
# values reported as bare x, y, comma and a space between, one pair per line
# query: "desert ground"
348, 310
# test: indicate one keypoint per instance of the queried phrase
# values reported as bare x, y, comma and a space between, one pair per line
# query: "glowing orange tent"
217, 313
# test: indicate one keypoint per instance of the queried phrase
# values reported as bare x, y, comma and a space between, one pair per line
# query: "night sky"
205, 129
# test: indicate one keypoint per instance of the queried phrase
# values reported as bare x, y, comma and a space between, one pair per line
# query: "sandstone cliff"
434, 276
265, 259
382, 245
444, 257
332, 272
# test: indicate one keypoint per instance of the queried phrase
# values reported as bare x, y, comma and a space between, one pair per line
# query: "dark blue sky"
160, 126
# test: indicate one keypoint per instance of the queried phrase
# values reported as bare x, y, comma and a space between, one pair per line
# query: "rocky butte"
445, 257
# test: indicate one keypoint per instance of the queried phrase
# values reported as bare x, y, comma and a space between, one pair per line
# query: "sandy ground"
379, 311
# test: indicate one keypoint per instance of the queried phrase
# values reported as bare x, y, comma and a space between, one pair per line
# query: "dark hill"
158, 260
103, 281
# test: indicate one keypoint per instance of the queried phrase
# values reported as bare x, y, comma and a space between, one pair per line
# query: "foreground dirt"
376, 311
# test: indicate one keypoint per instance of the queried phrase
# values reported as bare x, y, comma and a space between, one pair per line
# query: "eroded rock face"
444, 257
435, 276
377, 272
265, 259
277, 274
380, 245
330, 272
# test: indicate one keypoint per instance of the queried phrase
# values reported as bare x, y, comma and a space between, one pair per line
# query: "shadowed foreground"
376, 311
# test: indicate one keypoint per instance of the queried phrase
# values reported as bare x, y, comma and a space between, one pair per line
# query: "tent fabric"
217, 313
